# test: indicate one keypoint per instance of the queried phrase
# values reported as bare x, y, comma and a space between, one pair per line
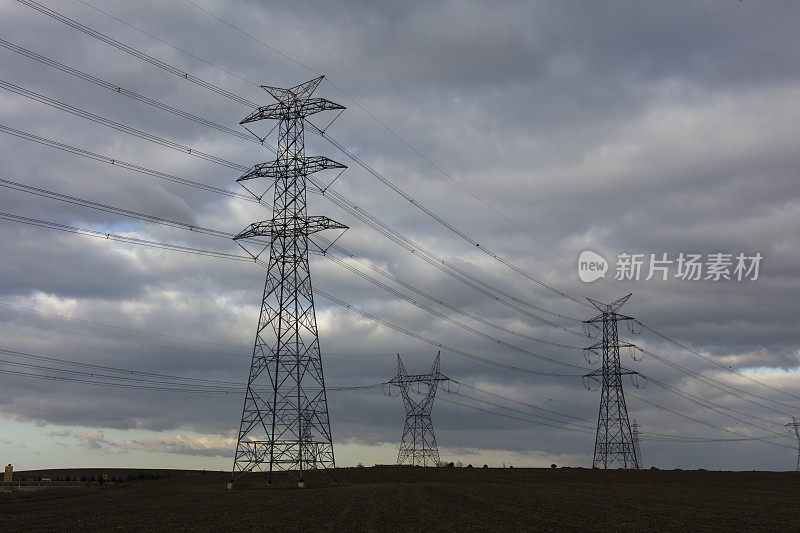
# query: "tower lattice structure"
796, 426
636, 445
614, 444
418, 444
285, 424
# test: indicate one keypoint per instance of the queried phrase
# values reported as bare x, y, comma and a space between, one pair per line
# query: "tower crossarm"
598, 374
617, 316
594, 374
417, 378
289, 226
619, 344
304, 166
292, 109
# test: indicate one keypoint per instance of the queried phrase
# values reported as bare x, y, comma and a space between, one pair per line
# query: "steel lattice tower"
636, 446
285, 423
796, 425
418, 444
614, 441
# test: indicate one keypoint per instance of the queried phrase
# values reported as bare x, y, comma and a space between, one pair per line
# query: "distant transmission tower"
636, 447
614, 444
418, 445
285, 423
796, 425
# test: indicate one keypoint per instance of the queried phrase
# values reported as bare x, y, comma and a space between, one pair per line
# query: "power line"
150, 377
209, 123
127, 371
655, 355
51, 194
727, 369
368, 113
744, 376
490, 393
387, 128
455, 230
152, 102
64, 317
437, 344
115, 43
513, 417
330, 245
655, 437
125, 92
106, 13
126, 341
705, 403
724, 387
494, 404
93, 323
113, 384
503, 297
703, 422
452, 320
373, 172
283, 54
141, 379
123, 164
448, 268
195, 228
712, 407
466, 354
121, 238
116, 125
700, 440
132, 51
412, 199
109, 236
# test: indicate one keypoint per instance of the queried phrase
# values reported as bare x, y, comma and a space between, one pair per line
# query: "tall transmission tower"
637, 448
418, 444
285, 424
614, 444
796, 425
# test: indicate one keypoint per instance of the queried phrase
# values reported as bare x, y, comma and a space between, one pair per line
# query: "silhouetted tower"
418, 445
614, 443
796, 425
285, 423
636, 447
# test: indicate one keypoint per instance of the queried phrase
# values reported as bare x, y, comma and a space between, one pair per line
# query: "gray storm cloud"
622, 126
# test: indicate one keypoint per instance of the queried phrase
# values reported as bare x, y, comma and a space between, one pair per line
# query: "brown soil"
414, 499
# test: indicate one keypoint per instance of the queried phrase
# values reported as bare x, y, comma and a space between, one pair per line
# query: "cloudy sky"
538, 129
